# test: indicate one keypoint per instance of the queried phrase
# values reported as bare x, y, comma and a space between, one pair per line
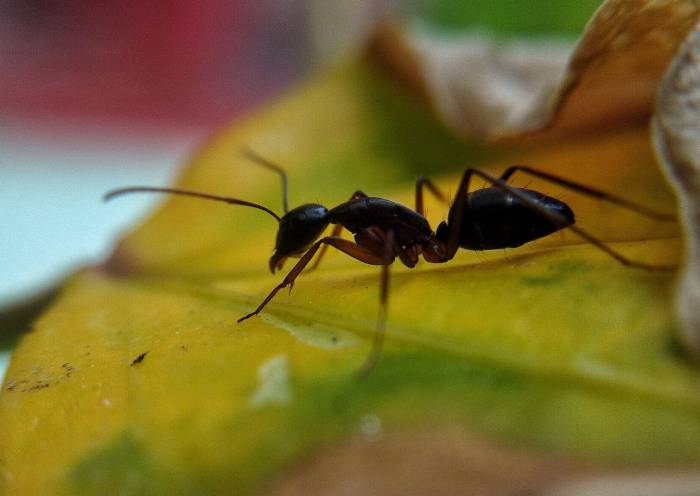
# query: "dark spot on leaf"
68, 368
139, 358
25, 386
38, 385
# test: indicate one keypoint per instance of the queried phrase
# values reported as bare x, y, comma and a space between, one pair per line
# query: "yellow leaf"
139, 381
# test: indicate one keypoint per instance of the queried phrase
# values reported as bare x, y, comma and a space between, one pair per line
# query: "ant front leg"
348, 247
589, 191
335, 233
424, 181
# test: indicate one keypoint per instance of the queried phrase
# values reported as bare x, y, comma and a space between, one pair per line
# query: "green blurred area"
510, 17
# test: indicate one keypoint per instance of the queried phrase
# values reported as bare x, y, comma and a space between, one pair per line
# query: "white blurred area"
51, 186
4, 362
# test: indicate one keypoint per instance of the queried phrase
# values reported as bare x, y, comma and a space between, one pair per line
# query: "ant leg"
455, 222
335, 233
348, 247
420, 182
587, 190
553, 217
378, 339
623, 260
260, 160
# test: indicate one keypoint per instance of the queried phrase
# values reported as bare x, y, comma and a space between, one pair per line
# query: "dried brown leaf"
619, 61
485, 90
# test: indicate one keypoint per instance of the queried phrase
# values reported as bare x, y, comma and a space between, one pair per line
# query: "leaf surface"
553, 347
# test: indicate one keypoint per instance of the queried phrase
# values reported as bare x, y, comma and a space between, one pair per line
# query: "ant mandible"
499, 216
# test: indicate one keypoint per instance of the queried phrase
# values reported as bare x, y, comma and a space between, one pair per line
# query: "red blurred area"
183, 62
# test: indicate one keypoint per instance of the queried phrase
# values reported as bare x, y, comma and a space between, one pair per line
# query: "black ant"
500, 216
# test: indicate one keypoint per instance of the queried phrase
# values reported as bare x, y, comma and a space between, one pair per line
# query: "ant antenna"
260, 160
147, 189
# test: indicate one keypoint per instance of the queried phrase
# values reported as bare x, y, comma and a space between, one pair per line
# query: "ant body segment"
495, 217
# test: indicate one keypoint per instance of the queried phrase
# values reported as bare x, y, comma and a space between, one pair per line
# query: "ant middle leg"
589, 191
424, 181
355, 250
379, 332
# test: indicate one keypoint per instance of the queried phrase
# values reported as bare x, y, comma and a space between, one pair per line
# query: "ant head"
298, 229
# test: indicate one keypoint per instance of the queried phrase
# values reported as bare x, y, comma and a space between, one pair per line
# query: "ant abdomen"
496, 219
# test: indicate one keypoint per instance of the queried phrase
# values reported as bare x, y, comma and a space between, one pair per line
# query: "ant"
495, 217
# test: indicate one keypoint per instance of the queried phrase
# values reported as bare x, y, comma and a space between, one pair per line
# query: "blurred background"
101, 94
98, 94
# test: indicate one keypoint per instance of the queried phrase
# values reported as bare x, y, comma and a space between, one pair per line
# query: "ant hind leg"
379, 332
589, 191
424, 181
617, 256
